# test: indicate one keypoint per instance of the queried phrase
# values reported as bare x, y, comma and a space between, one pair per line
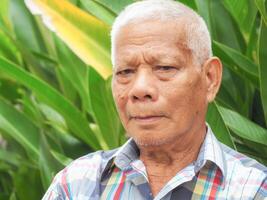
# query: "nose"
143, 87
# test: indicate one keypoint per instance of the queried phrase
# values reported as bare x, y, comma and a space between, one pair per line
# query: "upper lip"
144, 116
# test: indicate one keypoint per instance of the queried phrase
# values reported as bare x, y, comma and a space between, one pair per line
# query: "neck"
164, 161
183, 150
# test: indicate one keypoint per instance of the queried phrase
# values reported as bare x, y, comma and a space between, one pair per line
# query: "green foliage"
56, 105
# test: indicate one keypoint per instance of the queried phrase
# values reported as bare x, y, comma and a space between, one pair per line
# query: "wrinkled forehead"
157, 36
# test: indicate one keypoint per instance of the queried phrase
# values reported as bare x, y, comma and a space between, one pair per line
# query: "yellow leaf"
87, 36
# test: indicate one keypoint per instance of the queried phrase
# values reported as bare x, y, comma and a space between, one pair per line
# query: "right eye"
125, 72
124, 75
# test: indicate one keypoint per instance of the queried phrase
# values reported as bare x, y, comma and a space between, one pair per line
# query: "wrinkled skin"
161, 92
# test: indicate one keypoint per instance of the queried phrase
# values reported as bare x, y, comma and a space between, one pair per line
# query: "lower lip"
147, 119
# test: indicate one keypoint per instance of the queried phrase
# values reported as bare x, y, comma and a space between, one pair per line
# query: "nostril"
148, 96
145, 97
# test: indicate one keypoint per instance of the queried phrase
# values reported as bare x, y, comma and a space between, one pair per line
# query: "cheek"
197, 99
120, 97
187, 96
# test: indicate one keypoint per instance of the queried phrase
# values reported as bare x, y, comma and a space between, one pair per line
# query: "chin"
149, 140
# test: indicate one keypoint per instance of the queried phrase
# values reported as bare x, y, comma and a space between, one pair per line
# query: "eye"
125, 72
165, 71
165, 68
124, 75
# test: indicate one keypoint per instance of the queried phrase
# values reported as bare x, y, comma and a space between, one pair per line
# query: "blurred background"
55, 98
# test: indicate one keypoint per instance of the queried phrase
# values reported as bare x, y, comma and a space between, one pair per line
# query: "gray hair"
197, 35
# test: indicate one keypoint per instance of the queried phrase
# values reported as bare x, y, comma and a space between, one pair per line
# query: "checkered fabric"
218, 173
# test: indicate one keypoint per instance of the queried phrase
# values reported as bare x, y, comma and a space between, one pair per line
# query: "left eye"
165, 72
165, 68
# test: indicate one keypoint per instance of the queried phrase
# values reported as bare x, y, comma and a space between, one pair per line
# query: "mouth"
146, 118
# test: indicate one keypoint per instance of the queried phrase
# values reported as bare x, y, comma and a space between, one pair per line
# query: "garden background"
55, 70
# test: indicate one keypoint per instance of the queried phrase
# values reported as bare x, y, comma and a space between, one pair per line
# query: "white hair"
197, 35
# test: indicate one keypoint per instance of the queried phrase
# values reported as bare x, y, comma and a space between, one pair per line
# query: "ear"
213, 74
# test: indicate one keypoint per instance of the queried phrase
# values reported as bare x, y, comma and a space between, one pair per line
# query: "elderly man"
164, 77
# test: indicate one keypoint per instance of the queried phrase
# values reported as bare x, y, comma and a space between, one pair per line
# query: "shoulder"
238, 160
86, 165
244, 175
83, 173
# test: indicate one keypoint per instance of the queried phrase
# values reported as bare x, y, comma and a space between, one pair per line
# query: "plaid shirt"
218, 173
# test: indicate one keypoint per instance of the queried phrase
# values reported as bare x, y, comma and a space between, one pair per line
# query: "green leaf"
35, 65
9, 90
243, 11
30, 109
64, 160
44, 57
66, 86
75, 120
9, 157
3, 8
218, 18
27, 183
104, 109
116, 6
262, 9
252, 44
243, 127
101, 12
263, 67
225, 98
251, 153
189, 3
232, 90
12, 196
203, 8
48, 165
91, 42
237, 62
218, 126
257, 113
25, 27
75, 71
19, 128
53, 117
47, 37
8, 49
238, 90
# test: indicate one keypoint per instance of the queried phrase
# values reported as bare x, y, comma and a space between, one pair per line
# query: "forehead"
157, 39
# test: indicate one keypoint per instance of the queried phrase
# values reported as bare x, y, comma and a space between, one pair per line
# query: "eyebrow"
181, 57
160, 57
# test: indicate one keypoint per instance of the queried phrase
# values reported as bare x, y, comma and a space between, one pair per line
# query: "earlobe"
213, 74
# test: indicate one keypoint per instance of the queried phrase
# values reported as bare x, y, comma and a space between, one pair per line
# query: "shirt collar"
210, 150
128, 153
122, 157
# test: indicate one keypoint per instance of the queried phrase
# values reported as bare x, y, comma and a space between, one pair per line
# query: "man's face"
159, 89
